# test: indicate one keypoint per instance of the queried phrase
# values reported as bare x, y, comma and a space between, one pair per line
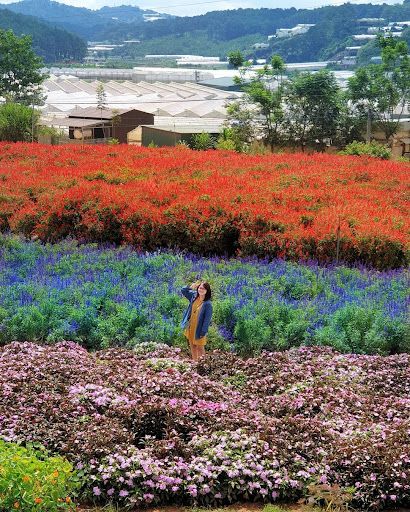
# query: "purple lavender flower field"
148, 426
102, 297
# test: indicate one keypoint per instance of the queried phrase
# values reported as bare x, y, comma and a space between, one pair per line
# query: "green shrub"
252, 335
363, 331
202, 141
30, 480
216, 341
17, 122
226, 144
367, 148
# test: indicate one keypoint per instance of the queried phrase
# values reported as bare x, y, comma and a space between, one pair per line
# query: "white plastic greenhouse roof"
171, 99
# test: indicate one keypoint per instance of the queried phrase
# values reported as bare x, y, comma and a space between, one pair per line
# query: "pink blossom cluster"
149, 426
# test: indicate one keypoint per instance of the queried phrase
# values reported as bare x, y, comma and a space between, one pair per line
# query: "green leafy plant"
330, 497
367, 148
239, 380
30, 480
202, 141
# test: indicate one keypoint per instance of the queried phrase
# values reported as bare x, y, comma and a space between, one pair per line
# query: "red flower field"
283, 205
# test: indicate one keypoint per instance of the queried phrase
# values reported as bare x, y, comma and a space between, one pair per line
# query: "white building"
260, 46
301, 28
364, 37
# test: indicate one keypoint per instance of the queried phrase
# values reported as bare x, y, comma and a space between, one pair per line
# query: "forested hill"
225, 25
217, 32
222, 31
102, 24
52, 44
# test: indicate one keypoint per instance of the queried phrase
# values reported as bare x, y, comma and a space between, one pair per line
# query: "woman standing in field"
197, 316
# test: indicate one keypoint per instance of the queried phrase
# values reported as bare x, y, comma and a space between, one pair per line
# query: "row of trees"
310, 109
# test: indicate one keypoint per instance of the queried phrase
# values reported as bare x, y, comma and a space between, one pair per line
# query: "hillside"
100, 24
218, 31
51, 43
222, 31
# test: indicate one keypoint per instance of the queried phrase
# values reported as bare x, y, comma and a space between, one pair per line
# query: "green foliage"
50, 131
238, 380
229, 139
273, 508
20, 69
236, 59
382, 90
49, 42
226, 144
101, 97
17, 122
252, 335
31, 480
224, 31
263, 100
202, 141
115, 297
241, 126
361, 330
215, 341
333, 498
367, 148
314, 104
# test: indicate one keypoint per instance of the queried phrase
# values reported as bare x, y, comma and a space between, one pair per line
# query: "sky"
195, 7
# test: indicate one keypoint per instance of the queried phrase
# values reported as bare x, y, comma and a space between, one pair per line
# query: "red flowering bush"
149, 426
209, 202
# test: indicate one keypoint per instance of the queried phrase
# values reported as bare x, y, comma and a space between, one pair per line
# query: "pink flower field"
149, 426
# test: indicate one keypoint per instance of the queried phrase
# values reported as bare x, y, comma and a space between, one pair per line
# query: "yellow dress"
193, 322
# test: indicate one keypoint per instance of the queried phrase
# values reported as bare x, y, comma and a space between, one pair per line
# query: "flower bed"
209, 202
117, 297
140, 431
32, 481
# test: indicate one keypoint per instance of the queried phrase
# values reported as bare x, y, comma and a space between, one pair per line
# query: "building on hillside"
260, 46
300, 28
170, 135
365, 22
350, 56
97, 126
364, 37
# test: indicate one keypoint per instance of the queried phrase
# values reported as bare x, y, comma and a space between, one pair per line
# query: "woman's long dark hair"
207, 287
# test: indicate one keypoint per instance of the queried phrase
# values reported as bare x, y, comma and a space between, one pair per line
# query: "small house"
93, 125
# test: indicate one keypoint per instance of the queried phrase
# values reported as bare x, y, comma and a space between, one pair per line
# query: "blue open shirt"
205, 314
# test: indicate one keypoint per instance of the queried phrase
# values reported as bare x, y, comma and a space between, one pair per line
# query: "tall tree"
381, 91
313, 105
20, 69
236, 59
101, 97
264, 92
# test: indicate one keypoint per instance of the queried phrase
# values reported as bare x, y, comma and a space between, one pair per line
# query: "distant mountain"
217, 32
125, 13
221, 31
102, 24
51, 43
